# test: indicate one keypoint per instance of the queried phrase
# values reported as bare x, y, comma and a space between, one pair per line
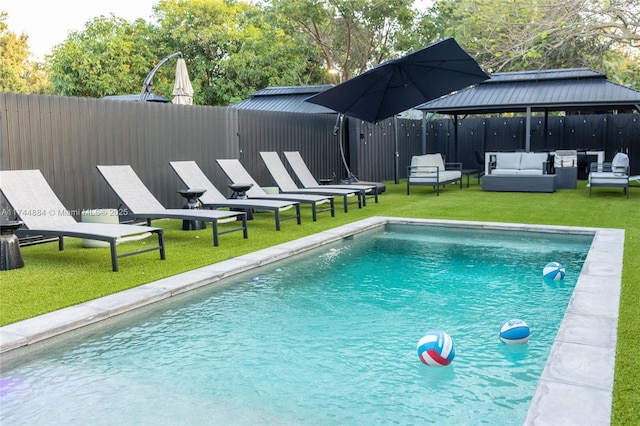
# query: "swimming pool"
273, 317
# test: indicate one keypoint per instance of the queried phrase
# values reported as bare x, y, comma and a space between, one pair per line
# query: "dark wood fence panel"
311, 134
603, 132
374, 150
67, 137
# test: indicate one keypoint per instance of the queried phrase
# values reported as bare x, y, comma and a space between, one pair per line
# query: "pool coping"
576, 384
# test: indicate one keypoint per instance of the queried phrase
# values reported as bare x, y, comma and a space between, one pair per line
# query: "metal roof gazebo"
285, 99
574, 90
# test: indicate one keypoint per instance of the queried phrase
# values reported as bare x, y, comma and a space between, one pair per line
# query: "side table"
193, 202
10, 256
469, 172
239, 192
567, 177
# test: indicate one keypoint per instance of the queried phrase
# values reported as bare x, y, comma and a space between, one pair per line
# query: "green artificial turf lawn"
52, 279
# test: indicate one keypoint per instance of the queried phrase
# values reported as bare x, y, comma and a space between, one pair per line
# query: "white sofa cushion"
529, 172
444, 176
525, 172
533, 160
504, 172
520, 163
428, 161
605, 178
508, 160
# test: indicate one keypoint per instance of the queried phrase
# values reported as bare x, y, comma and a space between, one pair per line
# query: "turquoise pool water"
329, 338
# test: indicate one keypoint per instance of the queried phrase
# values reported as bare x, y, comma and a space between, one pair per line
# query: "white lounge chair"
141, 202
307, 180
193, 177
286, 184
42, 213
236, 173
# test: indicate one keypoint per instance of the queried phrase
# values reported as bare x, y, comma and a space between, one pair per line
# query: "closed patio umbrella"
182, 89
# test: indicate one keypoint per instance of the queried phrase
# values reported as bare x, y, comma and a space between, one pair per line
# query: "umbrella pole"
527, 136
423, 136
397, 155
338, 128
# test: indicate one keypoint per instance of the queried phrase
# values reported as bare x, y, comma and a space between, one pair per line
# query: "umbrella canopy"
401, 84
182, 89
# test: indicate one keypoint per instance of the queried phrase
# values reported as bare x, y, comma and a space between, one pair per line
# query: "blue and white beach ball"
514, 332
436, 349
553, 271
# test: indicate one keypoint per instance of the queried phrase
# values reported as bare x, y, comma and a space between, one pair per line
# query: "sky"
48, 22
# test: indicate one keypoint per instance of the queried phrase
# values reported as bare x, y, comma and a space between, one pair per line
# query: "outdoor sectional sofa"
519, 172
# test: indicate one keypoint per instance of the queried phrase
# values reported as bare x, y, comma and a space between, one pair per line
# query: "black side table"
469, 172
10, 256
193, 202
239, 192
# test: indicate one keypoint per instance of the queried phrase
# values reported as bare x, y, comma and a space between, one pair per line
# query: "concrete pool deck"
577, 381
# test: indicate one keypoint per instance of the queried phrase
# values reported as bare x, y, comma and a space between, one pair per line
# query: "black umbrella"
401, 84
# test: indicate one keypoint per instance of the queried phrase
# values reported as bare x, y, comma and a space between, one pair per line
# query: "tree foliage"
17, 72
230, 49
107, 58
352, 35
235, 47
515, 35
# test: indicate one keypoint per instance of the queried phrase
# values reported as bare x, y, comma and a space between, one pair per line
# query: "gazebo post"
455, 136
527, 136
423, 147
546, 128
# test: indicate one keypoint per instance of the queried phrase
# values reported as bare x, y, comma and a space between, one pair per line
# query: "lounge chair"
307, 180
141, 203
193, 177
237, 174
42, 213
287, 185
431, 170
614, 174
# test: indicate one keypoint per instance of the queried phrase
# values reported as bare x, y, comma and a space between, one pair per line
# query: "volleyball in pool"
514, 332
436, 349
553, 271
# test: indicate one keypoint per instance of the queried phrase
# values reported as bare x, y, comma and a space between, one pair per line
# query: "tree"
110, 57
515, 35
230, 49
17, 73
353, 35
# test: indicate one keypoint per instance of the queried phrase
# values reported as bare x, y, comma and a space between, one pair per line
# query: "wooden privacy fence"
66, 137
